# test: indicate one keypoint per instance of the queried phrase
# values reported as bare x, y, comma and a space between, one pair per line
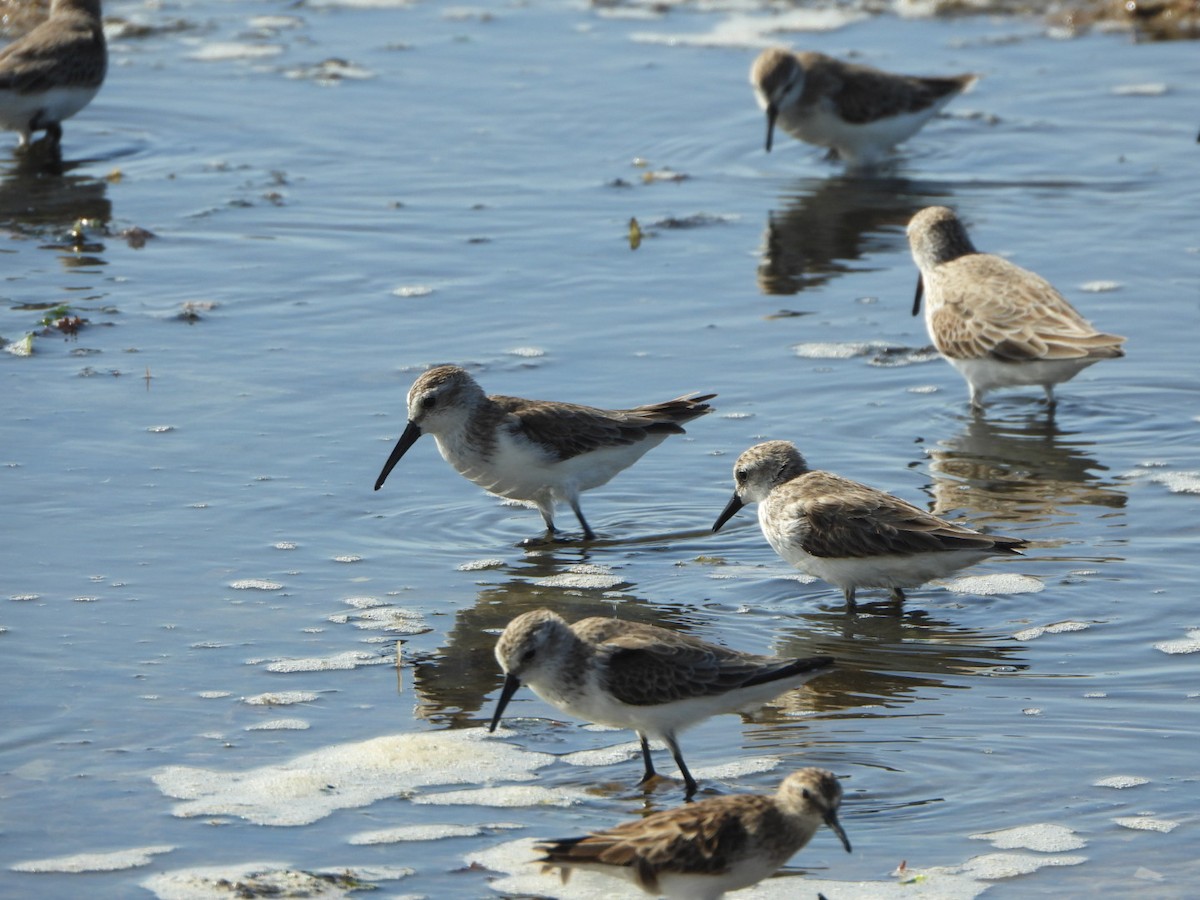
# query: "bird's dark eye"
428, 402
806, 794
740, 475
528, 655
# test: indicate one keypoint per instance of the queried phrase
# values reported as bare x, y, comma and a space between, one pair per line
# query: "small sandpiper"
631, 675
998, 324
701, 850
537, 451
846, 533
859, 113
54, 71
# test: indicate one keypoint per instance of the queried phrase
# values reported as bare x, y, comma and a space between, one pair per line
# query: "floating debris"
635, 233
330, 72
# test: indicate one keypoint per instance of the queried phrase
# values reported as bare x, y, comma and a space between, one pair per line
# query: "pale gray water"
479, 168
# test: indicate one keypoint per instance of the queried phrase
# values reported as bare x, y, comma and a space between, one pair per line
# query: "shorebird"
630, 675
858, 112
846, 533
54, 71
536, 451
701, 850
998, 324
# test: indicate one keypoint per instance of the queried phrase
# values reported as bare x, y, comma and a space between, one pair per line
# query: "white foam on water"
351, 659
111, 861
750, 765
266, 879
480, 564
1147, 823
281, 698
391, 618
849, 350
1188, 644
582, 576
998, 583
1042, 837
1120, 782
280, 725
429, 832
219, 51
1031, 634
309, 787
255, 584
605, 756
743, 30
506, 796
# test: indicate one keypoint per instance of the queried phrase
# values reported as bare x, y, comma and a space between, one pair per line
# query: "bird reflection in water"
827, 224
42, 202
1023, 468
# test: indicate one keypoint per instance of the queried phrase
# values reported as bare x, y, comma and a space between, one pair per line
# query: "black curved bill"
728, 512
411, 433
919, 294
511, 683
772, 112
832, 821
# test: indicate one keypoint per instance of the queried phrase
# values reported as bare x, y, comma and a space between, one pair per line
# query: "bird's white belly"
520, 470
55, 105
987, 373
891, 571
855, 143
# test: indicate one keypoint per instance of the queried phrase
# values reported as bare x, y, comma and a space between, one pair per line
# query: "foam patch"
310, 787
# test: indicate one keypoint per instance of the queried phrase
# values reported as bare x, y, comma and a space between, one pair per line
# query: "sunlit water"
203, 598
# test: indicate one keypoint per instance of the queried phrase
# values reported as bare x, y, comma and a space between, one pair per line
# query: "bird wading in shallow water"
999, 325
848, 534
630, 675
540, 452
54, 71
701, 850
859, 113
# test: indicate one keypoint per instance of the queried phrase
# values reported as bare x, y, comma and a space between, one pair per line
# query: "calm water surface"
347, 193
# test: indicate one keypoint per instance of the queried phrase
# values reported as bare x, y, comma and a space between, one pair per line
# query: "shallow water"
188, 501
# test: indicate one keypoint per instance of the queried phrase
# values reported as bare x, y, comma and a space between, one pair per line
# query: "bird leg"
897, 595
689, 782
851, 605
650, 774
588, 534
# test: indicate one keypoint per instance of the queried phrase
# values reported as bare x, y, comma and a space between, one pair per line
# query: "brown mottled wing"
994, 308
848, 519
700, 838
47, 57
568, 429
649, 665
862, 94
